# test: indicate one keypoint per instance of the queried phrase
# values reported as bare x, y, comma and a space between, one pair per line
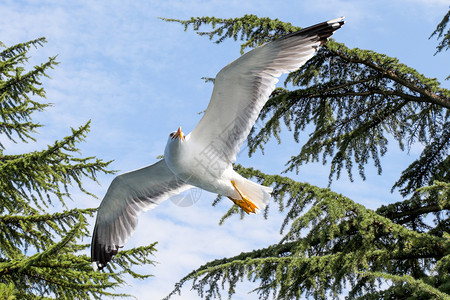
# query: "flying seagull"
204, 157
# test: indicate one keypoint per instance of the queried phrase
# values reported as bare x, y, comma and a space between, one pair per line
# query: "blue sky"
138, 78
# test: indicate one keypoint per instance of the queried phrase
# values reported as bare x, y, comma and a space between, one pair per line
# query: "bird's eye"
171, 135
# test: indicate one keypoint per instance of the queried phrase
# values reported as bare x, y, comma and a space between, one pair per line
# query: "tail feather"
256, 193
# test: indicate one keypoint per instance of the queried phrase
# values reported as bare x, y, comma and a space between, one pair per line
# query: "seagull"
204, 157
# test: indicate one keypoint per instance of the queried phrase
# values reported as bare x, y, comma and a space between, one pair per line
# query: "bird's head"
177, 135
174, 146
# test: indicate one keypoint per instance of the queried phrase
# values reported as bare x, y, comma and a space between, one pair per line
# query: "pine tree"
41, 251
356, 101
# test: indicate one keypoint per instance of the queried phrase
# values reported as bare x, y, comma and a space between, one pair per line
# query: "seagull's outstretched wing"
243, 87
128, 195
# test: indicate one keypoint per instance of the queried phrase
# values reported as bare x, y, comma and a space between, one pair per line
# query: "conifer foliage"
443, 35
41, 251
356, 101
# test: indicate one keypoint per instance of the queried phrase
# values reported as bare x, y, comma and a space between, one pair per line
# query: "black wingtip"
322, 30
326, 29
101, 254
336, 23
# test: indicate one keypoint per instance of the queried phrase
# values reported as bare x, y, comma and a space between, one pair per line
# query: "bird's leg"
246, 204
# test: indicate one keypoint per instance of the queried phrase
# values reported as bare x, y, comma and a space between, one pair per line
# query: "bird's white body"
201, 167
185, 160
204, 157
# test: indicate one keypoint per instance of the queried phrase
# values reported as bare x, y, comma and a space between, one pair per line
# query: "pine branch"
21, 265
339, 106
286, 276
16, 219
439, 32
405, 76
407, 216
30, 182
20, 48
254, 30
136, 256
15, 104
415, 284
431, 165
44, 171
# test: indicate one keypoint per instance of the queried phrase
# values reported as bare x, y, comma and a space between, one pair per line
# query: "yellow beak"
179, 134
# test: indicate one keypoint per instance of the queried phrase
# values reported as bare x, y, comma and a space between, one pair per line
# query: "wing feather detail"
243, 87
127, 197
